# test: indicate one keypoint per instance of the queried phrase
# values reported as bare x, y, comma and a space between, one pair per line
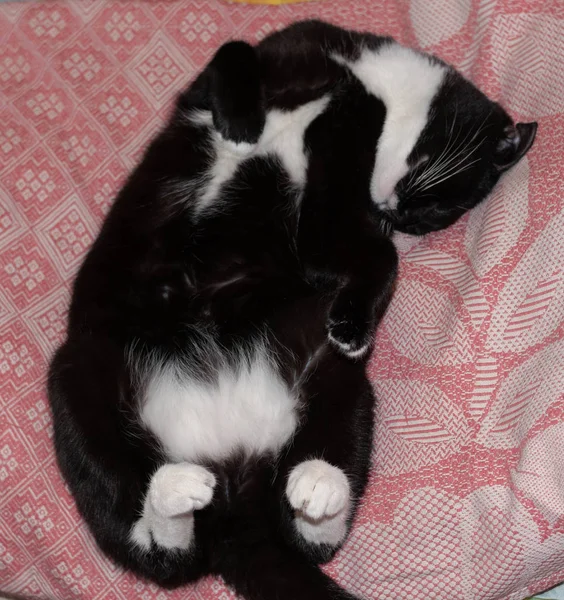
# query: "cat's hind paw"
317, 489
321, 497
175, 492
177, 489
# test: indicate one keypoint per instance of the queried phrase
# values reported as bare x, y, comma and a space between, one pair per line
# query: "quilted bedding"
467, 493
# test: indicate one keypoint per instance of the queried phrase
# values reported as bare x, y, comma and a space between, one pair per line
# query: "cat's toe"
317, 489
181, 488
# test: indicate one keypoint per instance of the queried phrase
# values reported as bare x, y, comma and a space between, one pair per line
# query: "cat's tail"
263, 570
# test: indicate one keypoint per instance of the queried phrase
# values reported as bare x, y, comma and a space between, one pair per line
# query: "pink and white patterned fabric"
467, 493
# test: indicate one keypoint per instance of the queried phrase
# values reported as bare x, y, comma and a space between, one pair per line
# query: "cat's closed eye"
419, 162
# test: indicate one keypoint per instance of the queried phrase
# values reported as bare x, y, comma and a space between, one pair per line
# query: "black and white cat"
211, 408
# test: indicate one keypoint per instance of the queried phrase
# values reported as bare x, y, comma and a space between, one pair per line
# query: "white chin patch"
390, 203
385, 178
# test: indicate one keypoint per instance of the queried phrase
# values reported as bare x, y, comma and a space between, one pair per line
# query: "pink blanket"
467, 492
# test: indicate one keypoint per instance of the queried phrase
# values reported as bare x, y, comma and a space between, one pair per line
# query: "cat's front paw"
317, 489
181, 488
349, 332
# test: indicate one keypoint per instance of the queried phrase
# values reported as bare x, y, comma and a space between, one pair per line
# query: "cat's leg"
141, 513
342, 240
175, 492
230, 87
324, 472
364, 263
236, 95
361, 301
320, 495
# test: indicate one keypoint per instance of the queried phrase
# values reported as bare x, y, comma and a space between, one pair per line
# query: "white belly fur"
248, 408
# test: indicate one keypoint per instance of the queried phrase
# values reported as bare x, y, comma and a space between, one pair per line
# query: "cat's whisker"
453, 167
410, 180
452, 174
426, 195
436, 167
447, 147
452, 163
463, 146
436, 170
430, 169
443, 175
444, 160
460, 148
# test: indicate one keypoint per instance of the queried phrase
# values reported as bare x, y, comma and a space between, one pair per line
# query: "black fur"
234, 90
275, 264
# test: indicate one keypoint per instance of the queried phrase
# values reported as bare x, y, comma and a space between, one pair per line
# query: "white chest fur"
248, 408
283, 137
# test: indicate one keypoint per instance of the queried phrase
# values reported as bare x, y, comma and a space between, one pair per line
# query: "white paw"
317, 489
177, 489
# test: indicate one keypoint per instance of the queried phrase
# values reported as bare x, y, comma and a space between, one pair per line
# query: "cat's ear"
235, 93
515, 143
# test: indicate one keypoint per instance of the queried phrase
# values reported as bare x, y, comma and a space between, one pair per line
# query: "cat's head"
466, 145
444, 144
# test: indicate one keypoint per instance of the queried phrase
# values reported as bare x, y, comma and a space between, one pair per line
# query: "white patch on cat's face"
406, 82
247, 408
282, 136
